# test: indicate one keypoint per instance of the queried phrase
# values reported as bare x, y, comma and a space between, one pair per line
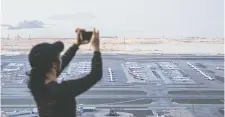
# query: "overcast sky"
131, 18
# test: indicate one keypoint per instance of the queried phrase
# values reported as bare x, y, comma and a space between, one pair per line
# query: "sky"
129, 18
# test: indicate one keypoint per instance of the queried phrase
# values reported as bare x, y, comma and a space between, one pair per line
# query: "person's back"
55, 104
58, 99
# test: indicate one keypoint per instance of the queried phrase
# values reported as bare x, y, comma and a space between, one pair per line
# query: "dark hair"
37, 78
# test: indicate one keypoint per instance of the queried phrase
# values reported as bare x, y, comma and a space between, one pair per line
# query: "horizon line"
117, 37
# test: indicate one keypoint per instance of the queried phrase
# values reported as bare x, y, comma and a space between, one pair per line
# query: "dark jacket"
59, 101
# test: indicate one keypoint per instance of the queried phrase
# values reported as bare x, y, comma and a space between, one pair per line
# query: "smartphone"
86, 35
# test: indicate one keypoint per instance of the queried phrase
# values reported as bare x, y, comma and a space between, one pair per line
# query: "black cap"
44, 52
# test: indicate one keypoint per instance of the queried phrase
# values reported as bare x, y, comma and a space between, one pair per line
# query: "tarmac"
202, 98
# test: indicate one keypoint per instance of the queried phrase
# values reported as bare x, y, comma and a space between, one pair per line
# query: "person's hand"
94, 42
79, 38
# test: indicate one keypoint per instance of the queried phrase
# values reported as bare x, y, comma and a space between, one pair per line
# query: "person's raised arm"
78, 86
70, 53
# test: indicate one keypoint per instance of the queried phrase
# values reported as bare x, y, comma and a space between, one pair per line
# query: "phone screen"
87, 35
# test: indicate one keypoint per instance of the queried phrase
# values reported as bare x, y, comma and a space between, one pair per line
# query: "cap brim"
58, 46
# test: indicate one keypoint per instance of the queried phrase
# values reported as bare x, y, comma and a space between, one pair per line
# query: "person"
58, 99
